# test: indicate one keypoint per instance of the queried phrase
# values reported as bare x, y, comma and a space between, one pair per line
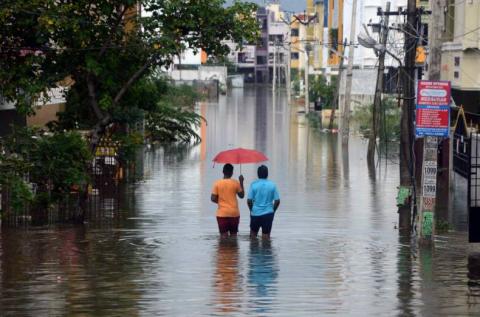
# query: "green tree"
107, 49
319, 88
389, 120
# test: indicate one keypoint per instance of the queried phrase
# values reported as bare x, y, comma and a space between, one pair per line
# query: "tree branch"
130, 82
114, 27
93, 97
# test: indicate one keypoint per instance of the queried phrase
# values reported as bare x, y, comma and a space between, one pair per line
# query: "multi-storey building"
307, 35
461, 52
278, 39
334, 9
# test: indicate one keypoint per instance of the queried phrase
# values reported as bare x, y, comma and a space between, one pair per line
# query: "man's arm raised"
241, 193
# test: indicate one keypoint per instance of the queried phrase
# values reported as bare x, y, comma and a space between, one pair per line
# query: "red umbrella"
240, 156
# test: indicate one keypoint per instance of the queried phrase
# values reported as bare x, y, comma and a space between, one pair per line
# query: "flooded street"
335, 249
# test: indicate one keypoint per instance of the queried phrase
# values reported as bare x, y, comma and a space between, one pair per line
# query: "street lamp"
367, 41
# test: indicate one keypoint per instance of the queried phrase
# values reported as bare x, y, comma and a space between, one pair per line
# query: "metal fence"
100, 202
466, 163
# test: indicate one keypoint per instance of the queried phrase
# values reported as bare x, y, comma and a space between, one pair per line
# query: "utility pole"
337, 92
407, 177
372, 141
288, 76
436, 26
307, 52
348, 85
307, 66
434, 39
274, 79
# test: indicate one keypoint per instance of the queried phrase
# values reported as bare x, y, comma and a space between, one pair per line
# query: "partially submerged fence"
99, 201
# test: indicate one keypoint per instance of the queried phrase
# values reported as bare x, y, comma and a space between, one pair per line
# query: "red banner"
433, 93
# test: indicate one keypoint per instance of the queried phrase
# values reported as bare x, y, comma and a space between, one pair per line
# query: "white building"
278, 40
366, 14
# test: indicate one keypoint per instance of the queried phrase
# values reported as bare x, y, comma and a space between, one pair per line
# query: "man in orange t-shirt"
224, 193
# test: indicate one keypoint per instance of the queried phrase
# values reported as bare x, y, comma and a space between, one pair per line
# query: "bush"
389, 120
54, 162
319, 88
173, 118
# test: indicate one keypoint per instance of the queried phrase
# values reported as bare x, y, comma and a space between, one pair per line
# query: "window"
275, 38
261, 60
295, 56
264, 24
457, 61
294, 32
456, 75
242, 57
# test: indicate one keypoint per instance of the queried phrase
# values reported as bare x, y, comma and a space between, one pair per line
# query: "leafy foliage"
389, 122
54, 162
60, 161
107, 49
173, 119
319, 88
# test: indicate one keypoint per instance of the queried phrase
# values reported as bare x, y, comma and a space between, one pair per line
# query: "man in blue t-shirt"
263, 201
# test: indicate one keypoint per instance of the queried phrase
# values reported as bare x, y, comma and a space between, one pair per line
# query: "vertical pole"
348, 85
338, 82
307, 97
426, 217
434, 39
274, 79
406, 123
437, 22
372, 141
289, 65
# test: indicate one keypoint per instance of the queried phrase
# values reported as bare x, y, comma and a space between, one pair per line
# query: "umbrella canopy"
240, 156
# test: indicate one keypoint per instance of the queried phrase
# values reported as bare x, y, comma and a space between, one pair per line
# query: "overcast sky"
287, 5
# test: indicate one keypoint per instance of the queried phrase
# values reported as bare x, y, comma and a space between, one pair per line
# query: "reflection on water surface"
334, 247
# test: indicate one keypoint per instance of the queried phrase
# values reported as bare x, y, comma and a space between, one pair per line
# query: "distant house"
9, 117
461, 54
46, 110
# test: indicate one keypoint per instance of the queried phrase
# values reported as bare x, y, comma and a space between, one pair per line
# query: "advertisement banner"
433, 110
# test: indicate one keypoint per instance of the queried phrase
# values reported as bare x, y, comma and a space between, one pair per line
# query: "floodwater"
335, 249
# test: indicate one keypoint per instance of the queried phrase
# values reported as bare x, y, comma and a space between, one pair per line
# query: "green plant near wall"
389, 122
61, 161
12, 171
319, 88
334, 38
55, 162
170, 124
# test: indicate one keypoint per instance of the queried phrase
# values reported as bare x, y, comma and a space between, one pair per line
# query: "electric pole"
434, 39
274, 79
437, 22
407, 138
372, 141
288, 75
307, 66
307, 52
338, 81
348, 85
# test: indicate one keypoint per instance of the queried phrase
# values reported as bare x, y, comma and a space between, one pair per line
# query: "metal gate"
474, 190
466, 163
